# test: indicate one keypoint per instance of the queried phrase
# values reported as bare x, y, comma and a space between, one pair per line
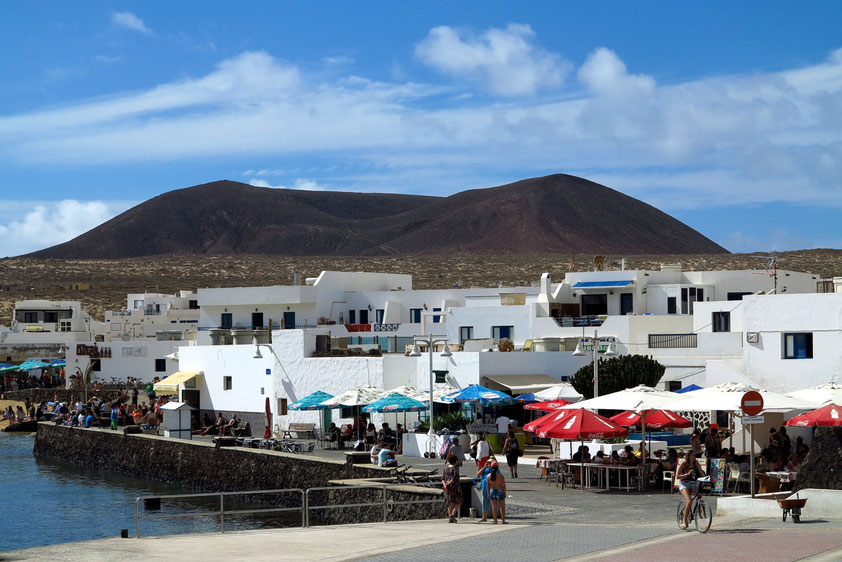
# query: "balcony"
580, 321
672, 341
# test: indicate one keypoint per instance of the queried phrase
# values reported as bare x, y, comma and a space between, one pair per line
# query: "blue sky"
726, 115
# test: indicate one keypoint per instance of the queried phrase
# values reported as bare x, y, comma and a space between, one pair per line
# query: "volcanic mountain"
551, 214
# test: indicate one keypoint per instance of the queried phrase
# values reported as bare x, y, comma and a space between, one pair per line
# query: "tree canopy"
618, 373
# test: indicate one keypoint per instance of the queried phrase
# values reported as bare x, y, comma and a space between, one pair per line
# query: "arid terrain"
111, 280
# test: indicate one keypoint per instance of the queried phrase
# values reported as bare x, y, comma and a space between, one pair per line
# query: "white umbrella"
358, 396
563, 391
828, 393
440, 391
636, 398
411, 392
726, 397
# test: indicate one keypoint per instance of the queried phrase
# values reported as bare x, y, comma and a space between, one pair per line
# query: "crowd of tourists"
17, 380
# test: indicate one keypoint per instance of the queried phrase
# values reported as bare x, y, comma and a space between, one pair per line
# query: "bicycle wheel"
680, 513
703, 516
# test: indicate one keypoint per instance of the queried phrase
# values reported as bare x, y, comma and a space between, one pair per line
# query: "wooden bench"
308, 429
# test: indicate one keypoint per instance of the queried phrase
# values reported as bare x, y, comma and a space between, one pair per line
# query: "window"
51, 317
30, 317
594, 305
690, 295
138, 304
798, 346
498, 332
64, 326
721, 321
414, 315
378, 315
626, 303
737, 295
193, 304
96, 365
436, 319
352, 317
160, 365
673, 386
227, 383
226, 320
671, 305
282, 406
466, 333
363, 316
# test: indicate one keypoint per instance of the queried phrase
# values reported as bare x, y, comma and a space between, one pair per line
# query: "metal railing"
387, 504
384, 501
221, 512
579, 321
664, 341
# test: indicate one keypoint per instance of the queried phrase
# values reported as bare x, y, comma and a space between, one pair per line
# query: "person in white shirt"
503, 425
375, 452
483, 449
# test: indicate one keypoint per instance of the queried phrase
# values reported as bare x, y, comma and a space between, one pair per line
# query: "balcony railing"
667, 341
579, 321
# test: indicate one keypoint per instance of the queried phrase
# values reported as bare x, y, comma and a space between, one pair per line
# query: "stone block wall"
823, 467
201, 466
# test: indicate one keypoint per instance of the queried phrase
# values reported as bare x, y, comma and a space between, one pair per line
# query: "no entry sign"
752, 403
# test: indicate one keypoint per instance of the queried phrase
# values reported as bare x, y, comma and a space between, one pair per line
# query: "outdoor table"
620, 468
601, 470
784, 475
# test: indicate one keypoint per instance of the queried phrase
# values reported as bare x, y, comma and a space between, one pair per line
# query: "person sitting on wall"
90, 420
390, 460
375, 452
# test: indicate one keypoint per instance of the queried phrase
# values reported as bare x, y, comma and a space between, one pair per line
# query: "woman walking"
513, 452
687, 475
452, 487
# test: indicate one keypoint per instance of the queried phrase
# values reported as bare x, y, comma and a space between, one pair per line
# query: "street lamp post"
430, 342
609, 352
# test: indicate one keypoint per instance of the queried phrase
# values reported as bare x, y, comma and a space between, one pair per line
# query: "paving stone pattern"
536, 543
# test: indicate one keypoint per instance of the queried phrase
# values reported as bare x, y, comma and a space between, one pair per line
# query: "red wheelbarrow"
791, 506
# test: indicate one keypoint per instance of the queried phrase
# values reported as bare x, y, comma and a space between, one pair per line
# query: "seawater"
49, 501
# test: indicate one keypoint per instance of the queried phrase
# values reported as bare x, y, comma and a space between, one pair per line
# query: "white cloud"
43, 224
340, 60
505, 60
721, 140
605, 74
130, 21
300, 183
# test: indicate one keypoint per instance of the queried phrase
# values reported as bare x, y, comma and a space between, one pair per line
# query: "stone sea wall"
823, 467
201, 466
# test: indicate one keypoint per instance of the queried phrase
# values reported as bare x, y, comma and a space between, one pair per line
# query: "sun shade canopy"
602, 284
519, 383
170, 384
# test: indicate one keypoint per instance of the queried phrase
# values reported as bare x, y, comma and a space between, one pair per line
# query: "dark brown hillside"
557, 213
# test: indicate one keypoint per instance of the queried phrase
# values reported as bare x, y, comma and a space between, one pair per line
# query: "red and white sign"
752, 403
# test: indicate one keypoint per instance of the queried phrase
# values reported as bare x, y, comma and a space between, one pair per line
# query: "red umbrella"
575, 424
826, 415
267, 433
655, 419
550, 406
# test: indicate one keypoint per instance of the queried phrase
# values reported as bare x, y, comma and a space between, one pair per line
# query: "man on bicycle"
687, 476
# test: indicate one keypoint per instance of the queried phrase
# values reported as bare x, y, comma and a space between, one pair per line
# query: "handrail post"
303, 512
385, 511
306, 507
137, 518
221, 513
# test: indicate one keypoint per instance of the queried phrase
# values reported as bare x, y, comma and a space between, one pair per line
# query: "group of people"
382, 455
221, 426
781, 454
120, 411
488, 476
49, 378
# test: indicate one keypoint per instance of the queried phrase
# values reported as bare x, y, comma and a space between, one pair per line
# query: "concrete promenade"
546, 523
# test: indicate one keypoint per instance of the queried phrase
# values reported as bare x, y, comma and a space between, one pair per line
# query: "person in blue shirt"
115, 417
482, 474
89, 419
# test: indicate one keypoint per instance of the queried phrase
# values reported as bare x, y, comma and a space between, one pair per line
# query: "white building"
148, 314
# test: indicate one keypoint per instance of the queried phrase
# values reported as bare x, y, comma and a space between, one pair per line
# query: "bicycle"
701, 514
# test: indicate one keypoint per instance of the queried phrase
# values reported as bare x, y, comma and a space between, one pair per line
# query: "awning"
170, 384
602, 284
519, 384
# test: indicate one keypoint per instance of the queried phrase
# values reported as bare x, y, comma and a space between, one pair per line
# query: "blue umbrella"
478, 394
312, 402
690, 388
395, 403
31, 364
58, 363
6, 367
529, 397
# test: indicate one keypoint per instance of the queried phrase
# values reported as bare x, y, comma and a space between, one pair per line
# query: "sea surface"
47, 502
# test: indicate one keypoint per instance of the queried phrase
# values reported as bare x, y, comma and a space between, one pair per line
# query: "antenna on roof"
771, 270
